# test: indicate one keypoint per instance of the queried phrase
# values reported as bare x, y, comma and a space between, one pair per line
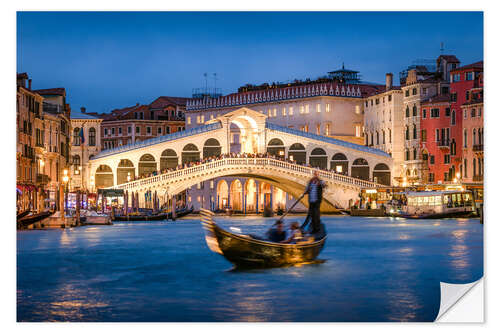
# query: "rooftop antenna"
215, 84
442, 47
206, 83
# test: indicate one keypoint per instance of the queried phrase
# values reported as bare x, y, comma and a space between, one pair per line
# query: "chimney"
29, 84
388, 81
83, 109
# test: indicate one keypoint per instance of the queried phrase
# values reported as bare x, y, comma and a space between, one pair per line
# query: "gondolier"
314, 190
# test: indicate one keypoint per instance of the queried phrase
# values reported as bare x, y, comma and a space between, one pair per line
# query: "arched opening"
236, 195
243, 134
125, 171
211, 148
276, 147
318, 158
147, 165
168, 159
103, 176
235, 134
190, 153
222, 194
92, 136
250, 195
382, 174
297, 153
340, 164
76, 136
360, 169
265, 196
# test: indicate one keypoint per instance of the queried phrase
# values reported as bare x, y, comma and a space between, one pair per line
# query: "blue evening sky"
108, 60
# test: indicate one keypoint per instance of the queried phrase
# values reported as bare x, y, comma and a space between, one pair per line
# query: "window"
378, 139
76, 160
414, 91
105, 131
318, 129
465, 114
424, 91
414, 110
327, 108
407, 154
465, 138
358, 131
389, 98
447, 112
424, 135
92, 136
113, 131
424, 113
284, 112
453, 97
473, 113
327, 129
469, 76
407, 133
407, 93
76, 136
465, 168
390, 136
167, 129
453, 118
431, 178
383, 137
119, 130
137, 130
318, 108
414, 153
376, 101
447, 159
269, 112
431, 159
189, 120
202, 117
407, 111
435, 113
148, 130
437, 134
456, 77
444, 90
274, 112
414, 131
129, 129
307, 108
152, 114
290, 111
467, 95
301, 109
159, 130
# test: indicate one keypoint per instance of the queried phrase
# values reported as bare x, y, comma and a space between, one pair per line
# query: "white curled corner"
461, 302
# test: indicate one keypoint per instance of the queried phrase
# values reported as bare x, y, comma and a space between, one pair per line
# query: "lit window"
189, 120
189, 198
307, 108
290, 111
211, 116
269, 112
327, 108
197, 119
357, 109
318, 107
284, 111
274, 112
327, 129
301, 109
318, 129
358, 130
202, 119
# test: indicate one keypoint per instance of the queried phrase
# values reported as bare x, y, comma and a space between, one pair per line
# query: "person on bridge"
314, 190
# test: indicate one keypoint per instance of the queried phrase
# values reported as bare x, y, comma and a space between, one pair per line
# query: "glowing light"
338, 168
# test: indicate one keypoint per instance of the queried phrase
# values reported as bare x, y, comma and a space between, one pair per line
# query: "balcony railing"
477, 178
42, 179
444, 144
477, 148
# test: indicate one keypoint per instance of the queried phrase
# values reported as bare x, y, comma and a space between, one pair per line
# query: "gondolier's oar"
289, 209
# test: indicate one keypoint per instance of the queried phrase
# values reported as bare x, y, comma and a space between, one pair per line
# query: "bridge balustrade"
327, 175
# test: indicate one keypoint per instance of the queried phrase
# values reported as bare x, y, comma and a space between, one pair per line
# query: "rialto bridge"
140, 167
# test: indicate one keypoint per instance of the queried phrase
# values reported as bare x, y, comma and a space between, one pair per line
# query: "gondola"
22, 214
246, 251
30, 219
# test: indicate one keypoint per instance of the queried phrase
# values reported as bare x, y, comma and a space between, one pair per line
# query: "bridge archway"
251, 194
360, 169
124, 169
297, 153
248, 132
318, 158
103, 176
147, 164
276, 147
222, 194
340, 164
264, 195
236, 195
211, 147
382, 174
169, 159
190, 153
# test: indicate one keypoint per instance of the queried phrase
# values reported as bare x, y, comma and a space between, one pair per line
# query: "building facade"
89, 128
384, 123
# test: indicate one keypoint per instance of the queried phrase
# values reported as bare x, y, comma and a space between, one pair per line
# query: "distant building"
384, 124
81, 152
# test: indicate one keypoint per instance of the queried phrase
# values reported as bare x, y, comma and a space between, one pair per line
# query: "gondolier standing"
314, 190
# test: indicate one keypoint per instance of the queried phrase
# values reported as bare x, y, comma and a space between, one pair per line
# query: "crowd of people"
228, 155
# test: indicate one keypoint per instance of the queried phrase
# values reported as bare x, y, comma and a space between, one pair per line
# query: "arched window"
414, 153
390, 135
453, 117
474, 171
414, 110
378, 139
414, 131
371, 134
76, 160
465, 138
465, 168
76, 136
407, 133
407, 111
407, 154
474, 136
92, 136
383, 137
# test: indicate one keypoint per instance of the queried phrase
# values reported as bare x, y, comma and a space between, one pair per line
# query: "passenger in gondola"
293, 234
276, 233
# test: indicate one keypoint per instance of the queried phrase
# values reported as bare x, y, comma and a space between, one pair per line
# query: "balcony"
42, 179
477, 148
477, 178
444, 144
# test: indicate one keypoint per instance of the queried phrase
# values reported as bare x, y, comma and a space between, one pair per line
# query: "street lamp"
65, 181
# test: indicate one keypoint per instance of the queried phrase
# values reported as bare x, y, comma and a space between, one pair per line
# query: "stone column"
257, 185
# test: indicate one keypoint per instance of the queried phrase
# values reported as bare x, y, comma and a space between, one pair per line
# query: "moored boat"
30, 219
246, 251
153, 217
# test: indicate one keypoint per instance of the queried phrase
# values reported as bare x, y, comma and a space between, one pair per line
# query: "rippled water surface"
375, 269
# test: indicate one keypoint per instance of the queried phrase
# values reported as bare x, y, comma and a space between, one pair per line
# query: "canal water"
373, 269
